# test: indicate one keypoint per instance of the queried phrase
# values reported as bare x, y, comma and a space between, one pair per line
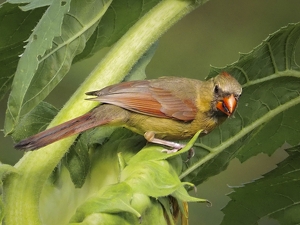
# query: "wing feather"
146, 97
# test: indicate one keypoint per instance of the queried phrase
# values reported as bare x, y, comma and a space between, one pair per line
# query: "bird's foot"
150, 136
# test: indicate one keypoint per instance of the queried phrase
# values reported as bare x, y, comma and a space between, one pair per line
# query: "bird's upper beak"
228, 105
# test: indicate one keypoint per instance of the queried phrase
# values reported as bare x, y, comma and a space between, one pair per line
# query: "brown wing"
149, 98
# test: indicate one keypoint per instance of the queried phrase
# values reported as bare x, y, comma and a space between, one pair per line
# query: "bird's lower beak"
228, 105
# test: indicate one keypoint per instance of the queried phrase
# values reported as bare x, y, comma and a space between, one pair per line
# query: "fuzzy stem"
22, 191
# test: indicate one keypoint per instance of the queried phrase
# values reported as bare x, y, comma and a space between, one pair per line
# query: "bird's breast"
205, 122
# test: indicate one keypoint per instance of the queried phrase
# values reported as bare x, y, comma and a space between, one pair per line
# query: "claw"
191, 154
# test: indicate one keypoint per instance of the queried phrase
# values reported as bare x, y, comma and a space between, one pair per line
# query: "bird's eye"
216, 90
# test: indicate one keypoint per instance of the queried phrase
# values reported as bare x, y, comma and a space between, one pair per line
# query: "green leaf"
152, 216
35, 121
120, 141
13, 38
267, 109
276, 195
77, 161
59, 36
182, 195
152, 178
33, 4
38, 43
115, 199
282, 128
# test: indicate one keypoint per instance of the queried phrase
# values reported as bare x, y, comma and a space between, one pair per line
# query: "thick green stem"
22, 191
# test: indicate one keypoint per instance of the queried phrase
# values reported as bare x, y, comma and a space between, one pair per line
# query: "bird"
164, 110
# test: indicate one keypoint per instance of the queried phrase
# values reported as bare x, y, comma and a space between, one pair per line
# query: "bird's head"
227, 91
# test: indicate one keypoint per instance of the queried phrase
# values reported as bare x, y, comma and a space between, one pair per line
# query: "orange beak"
228, 105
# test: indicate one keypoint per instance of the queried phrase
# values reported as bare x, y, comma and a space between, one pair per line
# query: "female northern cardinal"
170, 108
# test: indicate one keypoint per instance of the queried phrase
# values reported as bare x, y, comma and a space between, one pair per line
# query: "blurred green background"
214, 34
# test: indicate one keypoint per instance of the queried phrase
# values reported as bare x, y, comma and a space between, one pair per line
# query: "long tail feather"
63, 130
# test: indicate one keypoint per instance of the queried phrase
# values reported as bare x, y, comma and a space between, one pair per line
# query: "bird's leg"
150, 136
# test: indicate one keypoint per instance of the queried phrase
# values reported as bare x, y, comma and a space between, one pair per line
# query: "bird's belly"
169, 129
